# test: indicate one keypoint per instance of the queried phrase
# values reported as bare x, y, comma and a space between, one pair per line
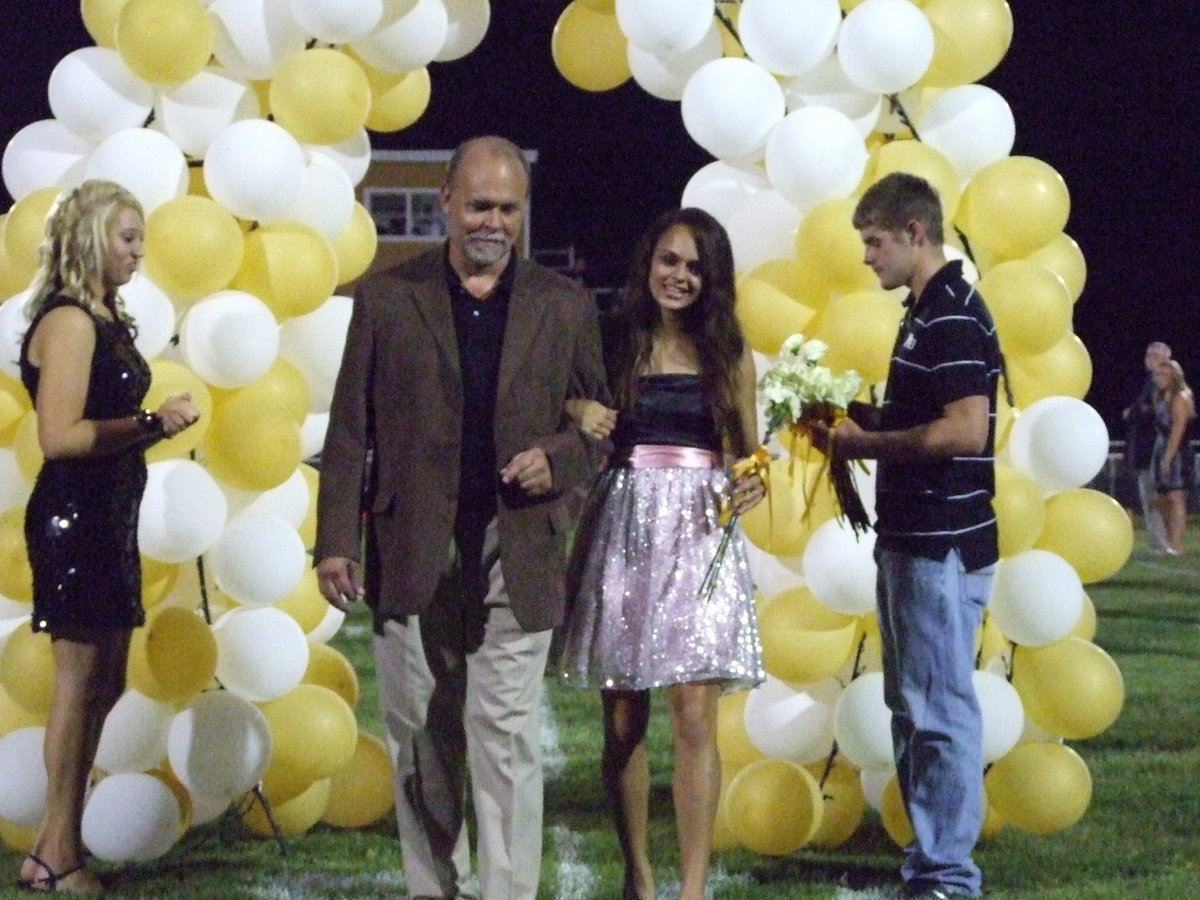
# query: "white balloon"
665, 75
254, 169
719, 188
219, 746
772, 574
840, 569
182, 512
730, 106
152, 312
312, 434
664, 26
23, 776
14, 489
352, 154
1037, 597
134, 737
195, 112
230, 338
326, 198
337, 21
467, 23
1003, 714
258, 559
94, 94
1059, 442
327, 627
288, 501
131, 817
863, 724
145, 162
314, 343
971, 125
788, 724
874, 782
815, 154
410, 36
39, 155
14, 322
885, 45
763, 227
252, 37
261, 653
207, 809
789, 36
827, 85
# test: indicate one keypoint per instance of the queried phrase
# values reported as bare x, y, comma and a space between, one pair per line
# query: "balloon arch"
242, 126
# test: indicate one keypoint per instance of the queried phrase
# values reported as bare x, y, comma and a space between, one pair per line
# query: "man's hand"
847, 434
337, 577
530, 470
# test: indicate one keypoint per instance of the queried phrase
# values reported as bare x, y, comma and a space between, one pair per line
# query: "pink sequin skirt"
635, 619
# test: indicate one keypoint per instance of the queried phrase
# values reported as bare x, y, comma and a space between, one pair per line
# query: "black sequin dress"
82, 517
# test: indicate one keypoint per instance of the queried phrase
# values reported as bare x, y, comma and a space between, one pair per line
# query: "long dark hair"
709, 322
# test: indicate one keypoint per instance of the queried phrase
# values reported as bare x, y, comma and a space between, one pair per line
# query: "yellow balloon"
24, 229
164, 41
169, 379
1020, 510
844, 804
589, 48
158, 580
1090, 530
100, 19
723, 838
730, 45
1005, 416
282, 389
294, 816
182, 796
1029, 304
16, 577
308, 528
734, 745
397, 101
174, 657
26, 447
993, 822
14, 403
803, 640
1014, 206
860, 329
827, 243
970, 37
1086, 626
767, 315
804, 285
13, 715
1063, 257
306, 604
290, 267
329, 668
355, 246
193, 246
363, 791
774, 525
313, 734
990, 641
916, 158
252, 447
894, 815
18, 838
320, 95
1040, 787
27, 669
12, 280
1065, 370
774, 806
1070, 688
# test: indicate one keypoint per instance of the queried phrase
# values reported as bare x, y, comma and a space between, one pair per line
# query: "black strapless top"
668, 409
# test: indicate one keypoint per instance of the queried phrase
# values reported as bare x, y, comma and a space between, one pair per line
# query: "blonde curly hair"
72, 253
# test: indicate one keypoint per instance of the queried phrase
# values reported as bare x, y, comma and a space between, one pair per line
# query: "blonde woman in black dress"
87, 381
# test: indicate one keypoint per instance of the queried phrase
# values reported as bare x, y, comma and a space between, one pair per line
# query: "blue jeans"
929, 610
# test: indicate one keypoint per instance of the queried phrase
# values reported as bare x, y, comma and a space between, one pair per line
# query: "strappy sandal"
47, 883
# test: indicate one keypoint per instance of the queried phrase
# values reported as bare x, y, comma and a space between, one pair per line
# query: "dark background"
1106, 93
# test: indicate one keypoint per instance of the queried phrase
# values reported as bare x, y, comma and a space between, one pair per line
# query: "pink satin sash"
669, 456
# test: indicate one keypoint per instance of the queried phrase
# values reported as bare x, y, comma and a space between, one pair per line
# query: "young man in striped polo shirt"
936, 544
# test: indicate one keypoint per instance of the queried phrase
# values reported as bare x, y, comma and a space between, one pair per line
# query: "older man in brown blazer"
447, 438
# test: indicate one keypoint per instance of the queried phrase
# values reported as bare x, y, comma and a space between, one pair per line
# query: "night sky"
1106, 93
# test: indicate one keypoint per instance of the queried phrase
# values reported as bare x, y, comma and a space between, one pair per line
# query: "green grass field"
1137, 840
